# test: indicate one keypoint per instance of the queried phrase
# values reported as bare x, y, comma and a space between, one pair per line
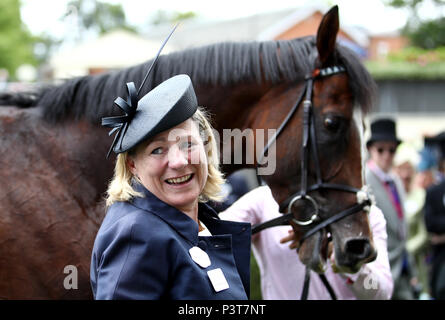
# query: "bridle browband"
309, 143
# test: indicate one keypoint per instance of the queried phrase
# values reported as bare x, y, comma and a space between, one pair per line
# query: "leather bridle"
309, 144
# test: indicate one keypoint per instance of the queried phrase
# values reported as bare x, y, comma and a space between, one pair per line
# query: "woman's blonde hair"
120, 189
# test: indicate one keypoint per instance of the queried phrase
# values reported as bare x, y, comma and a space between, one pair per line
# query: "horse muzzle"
355, 253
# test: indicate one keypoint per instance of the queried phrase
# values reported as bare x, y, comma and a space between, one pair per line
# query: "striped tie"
391, 187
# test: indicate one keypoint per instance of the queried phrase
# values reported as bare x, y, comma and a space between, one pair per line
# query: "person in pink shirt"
282, 273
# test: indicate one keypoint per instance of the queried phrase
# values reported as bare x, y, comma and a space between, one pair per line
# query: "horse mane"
220, 64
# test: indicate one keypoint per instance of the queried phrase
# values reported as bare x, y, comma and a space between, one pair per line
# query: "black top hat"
169, 104
383, 130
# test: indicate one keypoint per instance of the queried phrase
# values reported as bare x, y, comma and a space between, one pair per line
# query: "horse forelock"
221, 64
361, 83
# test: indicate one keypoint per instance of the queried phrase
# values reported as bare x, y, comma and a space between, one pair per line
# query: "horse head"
320, 155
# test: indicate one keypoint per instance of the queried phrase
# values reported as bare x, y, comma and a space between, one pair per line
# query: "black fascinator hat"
164, 107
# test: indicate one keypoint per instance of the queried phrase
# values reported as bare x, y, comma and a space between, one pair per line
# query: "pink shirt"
282, 273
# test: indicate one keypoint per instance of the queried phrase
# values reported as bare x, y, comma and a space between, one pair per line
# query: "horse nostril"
360, 248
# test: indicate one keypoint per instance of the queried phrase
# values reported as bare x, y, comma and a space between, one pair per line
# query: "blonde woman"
159, 240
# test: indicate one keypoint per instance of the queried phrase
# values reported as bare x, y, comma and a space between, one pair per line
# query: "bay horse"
54, 172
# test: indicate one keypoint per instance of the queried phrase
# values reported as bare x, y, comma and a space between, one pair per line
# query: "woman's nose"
177, 158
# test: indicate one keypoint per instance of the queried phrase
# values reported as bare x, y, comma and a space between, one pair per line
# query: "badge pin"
200, 257
218, 280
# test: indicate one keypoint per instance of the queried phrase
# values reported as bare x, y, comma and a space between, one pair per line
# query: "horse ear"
327, 35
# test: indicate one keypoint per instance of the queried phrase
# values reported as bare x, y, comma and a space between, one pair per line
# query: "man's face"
382, 153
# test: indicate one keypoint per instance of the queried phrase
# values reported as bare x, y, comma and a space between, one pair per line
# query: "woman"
159, 239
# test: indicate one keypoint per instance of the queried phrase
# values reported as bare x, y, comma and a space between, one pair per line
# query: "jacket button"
202, 244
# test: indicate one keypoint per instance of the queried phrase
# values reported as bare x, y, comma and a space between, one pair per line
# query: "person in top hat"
159, 239
389, 195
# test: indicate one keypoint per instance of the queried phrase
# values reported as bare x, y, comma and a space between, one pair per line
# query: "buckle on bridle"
313, 218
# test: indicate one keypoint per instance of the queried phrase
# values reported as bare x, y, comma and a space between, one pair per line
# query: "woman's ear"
131, 165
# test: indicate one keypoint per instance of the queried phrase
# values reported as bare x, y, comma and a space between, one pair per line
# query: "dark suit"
435, 223
142, 252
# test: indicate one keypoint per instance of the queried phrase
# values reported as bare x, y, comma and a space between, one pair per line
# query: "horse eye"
332, 123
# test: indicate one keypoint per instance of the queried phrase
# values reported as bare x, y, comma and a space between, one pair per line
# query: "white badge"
218, 280
200, 257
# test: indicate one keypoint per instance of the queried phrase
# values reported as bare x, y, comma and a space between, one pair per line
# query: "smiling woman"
158, 237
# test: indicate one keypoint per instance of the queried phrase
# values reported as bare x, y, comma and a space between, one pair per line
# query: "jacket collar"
178, 220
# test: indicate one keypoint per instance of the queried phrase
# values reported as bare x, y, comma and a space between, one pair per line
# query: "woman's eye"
332, 123
157, 151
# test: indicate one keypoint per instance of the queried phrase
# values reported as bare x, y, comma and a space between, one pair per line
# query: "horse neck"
83, 165
231, 107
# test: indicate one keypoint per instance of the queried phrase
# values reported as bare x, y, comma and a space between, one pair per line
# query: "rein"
309, 143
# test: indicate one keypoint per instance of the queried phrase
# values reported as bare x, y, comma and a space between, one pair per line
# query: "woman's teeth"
179, 180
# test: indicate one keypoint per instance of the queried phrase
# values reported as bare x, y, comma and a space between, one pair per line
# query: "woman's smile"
180, 181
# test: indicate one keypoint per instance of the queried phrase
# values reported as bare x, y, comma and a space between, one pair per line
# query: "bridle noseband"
309, 143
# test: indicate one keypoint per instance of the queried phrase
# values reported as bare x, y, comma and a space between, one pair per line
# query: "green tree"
44, 45
429, 34
181, 16
98, 16
410, 3
424, 34
16, 45
162, 16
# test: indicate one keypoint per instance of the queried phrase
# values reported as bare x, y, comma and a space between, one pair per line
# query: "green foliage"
418, 55
410, 63
98, 16
44, 45
406, 70
410, 4
404, 3
429, 34
424, 34
181, 16
162, 16
16, 43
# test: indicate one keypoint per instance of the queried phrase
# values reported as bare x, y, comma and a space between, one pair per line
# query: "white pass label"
200, 257
218, 280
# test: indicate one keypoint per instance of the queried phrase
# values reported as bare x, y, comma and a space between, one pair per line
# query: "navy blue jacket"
141, 251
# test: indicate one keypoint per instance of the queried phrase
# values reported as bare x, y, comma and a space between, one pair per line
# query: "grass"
255, 281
